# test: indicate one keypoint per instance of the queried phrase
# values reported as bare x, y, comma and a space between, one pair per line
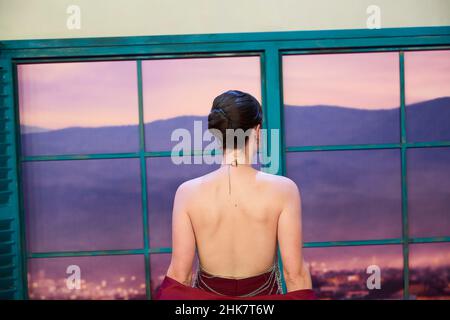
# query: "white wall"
39, 19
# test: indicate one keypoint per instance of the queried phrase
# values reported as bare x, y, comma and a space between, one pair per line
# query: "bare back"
235, 216
236, 232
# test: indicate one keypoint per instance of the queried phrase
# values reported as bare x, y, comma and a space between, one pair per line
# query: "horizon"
203, 116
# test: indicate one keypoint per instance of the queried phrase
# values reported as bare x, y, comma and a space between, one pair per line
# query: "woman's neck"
236, 158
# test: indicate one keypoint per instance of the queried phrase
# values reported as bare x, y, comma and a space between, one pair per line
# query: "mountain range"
347, 195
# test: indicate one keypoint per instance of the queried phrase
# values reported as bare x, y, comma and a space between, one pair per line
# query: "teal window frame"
269, 46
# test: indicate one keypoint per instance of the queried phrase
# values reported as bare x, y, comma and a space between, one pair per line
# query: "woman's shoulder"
276, 185
282, 190
192, 185
277, 182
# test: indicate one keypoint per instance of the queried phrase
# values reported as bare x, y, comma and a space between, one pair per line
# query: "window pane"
179, 91
78, 107
82, 205
101, 277
342, 272
429, 270
164, 175
341, 98
427, 92
348, 195
159, 263
429, 191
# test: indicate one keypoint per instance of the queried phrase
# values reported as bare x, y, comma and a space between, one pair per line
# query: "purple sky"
92, 94
356, 80
427, 75
88, 94
174, 87
59, 95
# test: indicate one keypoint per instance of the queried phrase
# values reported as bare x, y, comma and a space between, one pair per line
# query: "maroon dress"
265, 286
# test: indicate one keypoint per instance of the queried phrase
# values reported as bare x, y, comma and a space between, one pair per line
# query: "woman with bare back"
235, 218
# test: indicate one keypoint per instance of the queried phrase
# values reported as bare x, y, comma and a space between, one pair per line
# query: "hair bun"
217, 119
234, 110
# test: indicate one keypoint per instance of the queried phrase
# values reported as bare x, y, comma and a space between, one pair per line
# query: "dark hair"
234, 109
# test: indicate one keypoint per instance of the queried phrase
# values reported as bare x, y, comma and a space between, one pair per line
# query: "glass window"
427, 93
82, 205
428, 180
164, 177
159, 263
78, 107
335, 99
429, 270
179, 91
101, 277
348, 195
344, 272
